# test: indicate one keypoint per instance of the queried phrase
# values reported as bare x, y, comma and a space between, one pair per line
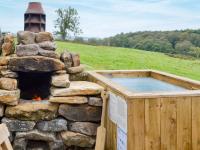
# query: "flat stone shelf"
78, 88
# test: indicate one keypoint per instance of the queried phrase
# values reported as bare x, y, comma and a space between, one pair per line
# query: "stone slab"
35, 64
80, 113
66, 57
95, 101
4, 60
78, 88
15, 125
33, 111
86, 128
25, 37
27, 50
56, 125
77, 139
75, 59
8, 74
44, 36
47, 45
8, 46
69, 100
50, 54
8, 84
7, 49
9, 97
83, 76
74, 70
36, 135
60, 80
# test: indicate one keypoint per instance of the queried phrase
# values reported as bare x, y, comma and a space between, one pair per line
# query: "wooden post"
101, 131
4, 141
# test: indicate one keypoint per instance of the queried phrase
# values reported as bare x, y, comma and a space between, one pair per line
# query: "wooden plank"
196, 123
111, 140
101, 131
184, 124
4, 134
111, 130
136, 114
190, 93
114, 137
125, 73
181, 81
168, 124
152, 124
105, 98
6, 145
100, 140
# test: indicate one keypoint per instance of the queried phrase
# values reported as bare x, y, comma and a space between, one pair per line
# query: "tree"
183, 47
195, 51
67, 22
173, 38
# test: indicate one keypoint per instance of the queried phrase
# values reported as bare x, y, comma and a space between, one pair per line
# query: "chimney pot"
35, 18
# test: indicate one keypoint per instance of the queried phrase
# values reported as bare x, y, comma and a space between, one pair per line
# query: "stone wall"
72, 113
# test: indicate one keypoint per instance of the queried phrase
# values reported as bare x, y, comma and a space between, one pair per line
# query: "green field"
111, 58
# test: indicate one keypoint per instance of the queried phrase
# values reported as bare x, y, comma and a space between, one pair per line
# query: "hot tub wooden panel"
156, 121
164, 123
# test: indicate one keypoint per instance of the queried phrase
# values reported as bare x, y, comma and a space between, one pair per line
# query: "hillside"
100, 57
183, 42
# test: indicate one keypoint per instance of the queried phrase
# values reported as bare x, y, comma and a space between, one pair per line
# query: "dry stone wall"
69, 118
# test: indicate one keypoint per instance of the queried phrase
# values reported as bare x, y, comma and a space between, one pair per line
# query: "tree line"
183, 42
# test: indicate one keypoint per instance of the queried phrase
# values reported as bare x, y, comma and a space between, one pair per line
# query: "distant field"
111, 58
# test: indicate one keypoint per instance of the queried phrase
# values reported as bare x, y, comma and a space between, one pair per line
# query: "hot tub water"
146, 84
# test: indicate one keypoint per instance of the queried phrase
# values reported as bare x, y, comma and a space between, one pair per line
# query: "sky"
104, 18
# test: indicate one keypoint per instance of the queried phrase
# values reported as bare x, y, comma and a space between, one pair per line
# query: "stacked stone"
73, 66
32, 44
7, 45
81, 106
9, 93
69, 119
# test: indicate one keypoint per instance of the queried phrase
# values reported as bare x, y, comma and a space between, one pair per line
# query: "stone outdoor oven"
45, 99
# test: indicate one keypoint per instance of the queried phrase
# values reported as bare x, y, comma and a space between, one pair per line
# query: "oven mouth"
34, 86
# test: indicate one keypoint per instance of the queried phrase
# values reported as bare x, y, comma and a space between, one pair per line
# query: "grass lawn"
111, 58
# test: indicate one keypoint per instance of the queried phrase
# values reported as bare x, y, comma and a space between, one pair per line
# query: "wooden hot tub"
150, 110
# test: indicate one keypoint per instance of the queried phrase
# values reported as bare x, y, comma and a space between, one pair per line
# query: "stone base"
60, 123
71, 112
